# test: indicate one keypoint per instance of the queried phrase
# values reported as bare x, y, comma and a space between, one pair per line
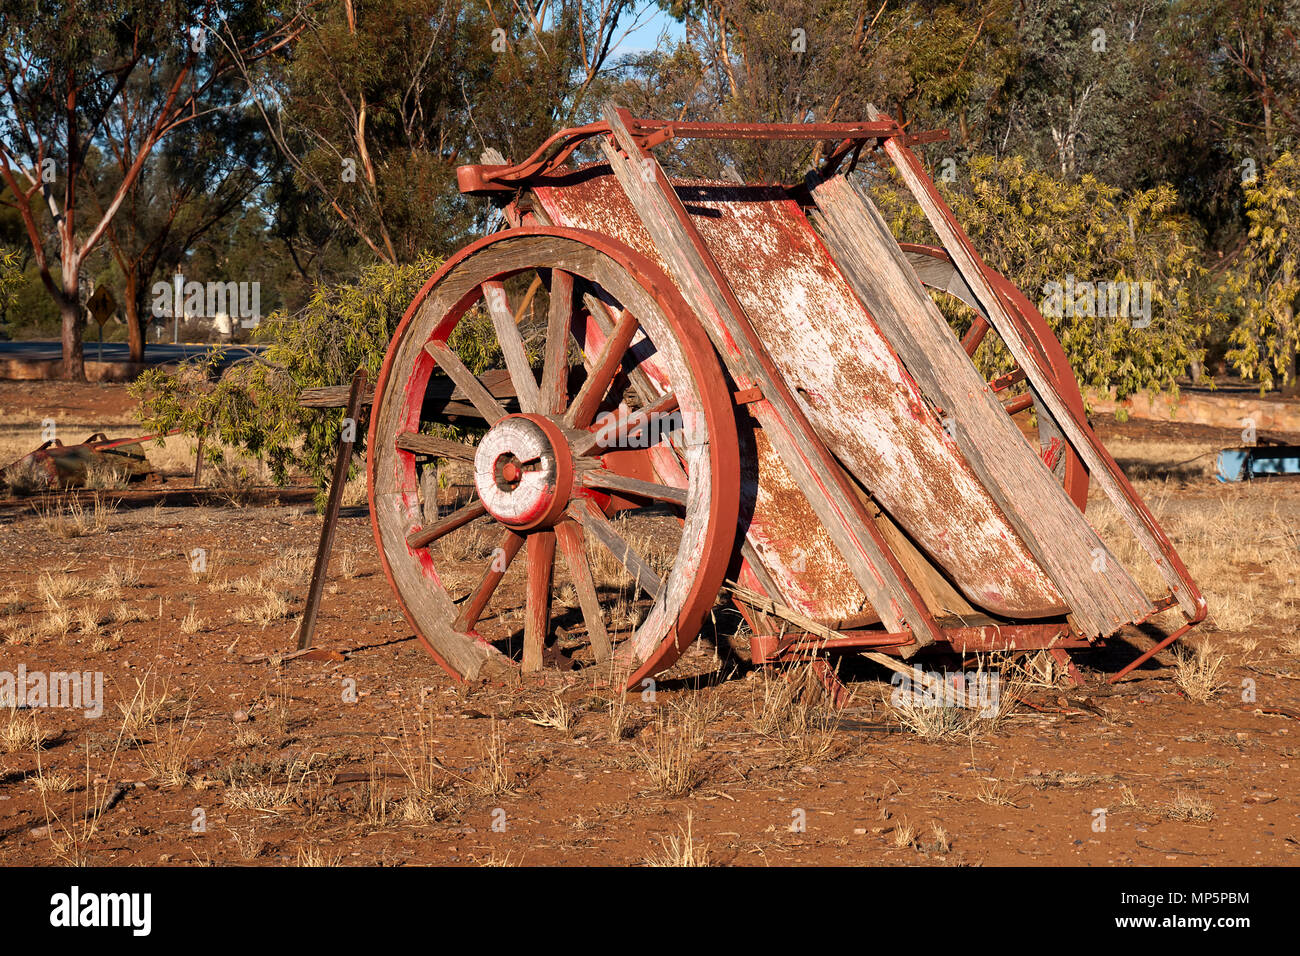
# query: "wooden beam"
1090, 579
1099, 462
818, 474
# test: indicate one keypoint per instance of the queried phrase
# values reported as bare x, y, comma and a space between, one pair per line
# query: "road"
160, 354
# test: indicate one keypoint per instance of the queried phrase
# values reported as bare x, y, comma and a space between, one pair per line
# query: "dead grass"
495, 777
904, 834
556, 715
430, 792
792, 711
669, 762
21, 731
996, 793
681, 849
1189, 806
69, 518
313, 854
1198, 672
1000, 679
147, 704
192, 623
272, 607
168, 758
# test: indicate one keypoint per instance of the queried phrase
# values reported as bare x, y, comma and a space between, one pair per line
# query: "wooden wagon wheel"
630, 414
936, 270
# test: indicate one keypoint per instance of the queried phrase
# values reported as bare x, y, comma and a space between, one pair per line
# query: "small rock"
241, 716
38, 833
859, 831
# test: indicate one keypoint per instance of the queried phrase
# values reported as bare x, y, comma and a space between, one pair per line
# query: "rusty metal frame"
648, 133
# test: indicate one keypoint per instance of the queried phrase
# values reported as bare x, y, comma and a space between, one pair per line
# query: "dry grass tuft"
557, 715
681, 850
1198, 672
495, 778
670, 761
69, 518
792, 711
21, 731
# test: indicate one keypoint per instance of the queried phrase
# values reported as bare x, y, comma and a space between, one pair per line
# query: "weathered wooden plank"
465, 380
569, 534
555, 365
537, 603
819, 476
594, 521
307, 625
478, 600
512, 345
457, 519
603, 369
1093, 583
609, 481
432, 445
332, 396
1101, 465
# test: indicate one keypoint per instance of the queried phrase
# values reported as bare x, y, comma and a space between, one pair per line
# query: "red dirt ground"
380, 757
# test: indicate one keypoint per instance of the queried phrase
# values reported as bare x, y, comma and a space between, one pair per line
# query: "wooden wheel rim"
712, 495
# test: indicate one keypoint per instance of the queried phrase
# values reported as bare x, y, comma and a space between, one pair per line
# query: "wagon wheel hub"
523, 472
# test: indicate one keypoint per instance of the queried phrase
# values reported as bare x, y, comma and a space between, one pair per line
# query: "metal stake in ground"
347, 438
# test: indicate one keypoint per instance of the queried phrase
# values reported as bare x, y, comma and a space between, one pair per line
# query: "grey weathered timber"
1092, 582
1100, 466
512, 344
822, 480
347, 439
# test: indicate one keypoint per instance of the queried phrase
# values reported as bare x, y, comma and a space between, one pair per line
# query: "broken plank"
1097, 588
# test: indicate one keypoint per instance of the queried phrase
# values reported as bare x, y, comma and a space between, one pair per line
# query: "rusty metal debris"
56, 465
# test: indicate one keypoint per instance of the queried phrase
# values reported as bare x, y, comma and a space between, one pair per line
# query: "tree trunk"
135, 325
74, 359
74, 362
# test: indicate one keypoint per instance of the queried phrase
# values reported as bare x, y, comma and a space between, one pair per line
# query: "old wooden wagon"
738, 388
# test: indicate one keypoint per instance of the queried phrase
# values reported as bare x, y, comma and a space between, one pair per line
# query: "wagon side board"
874, 567
1096, 586
1102, 466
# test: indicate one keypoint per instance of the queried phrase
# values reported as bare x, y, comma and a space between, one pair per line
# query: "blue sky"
652, 24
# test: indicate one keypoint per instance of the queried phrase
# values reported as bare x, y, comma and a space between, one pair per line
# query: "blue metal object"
1260, 461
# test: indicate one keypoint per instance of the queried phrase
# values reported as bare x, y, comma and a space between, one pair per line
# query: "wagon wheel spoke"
603, 371
975, 335
627, 426
571, 544
496, 570
432, 445
602, 529
423, 537
512, 345
605, 316
606, 480
537, 610
555, 365
1018, 403
467, 381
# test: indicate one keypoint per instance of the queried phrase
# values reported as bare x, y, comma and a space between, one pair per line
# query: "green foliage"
1262, 290
254, 405
1037, 230
11, 277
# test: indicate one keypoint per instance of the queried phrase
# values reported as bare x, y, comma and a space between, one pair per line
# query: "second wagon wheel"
603, 459
936, 271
